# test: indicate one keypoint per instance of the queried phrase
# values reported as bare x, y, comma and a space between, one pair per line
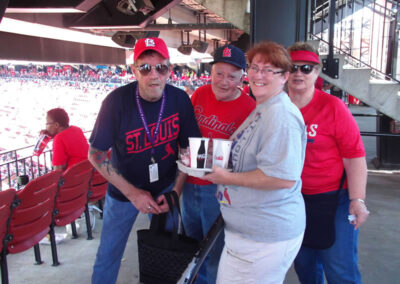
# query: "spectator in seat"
69, 143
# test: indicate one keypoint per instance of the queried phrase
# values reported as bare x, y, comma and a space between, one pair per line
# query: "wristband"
358, 199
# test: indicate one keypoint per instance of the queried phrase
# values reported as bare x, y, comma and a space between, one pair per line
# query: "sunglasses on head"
145, 69
306, 69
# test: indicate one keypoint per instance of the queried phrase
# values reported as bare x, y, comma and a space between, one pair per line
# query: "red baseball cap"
150, 43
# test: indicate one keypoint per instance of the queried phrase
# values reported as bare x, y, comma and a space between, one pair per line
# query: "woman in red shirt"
333, 145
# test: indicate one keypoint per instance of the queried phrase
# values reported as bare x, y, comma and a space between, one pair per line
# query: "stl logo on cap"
156, 44
149, 42
227, 52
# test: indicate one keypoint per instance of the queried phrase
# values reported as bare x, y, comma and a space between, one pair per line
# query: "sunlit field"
24, 103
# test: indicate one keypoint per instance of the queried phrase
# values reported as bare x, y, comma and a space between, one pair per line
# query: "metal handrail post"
331, 65
331, 31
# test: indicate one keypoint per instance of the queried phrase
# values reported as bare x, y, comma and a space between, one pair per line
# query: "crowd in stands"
180, 75
186, 77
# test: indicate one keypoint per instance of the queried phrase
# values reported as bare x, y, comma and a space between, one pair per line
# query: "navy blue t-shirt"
119, 127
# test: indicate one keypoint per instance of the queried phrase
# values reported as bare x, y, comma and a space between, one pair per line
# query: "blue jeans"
200, 209
118, 220
339, 262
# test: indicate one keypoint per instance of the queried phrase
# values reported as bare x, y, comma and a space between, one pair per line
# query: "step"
380, 94
384, 95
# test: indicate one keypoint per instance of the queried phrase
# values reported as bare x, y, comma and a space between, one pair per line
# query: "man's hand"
163, 204
144, 202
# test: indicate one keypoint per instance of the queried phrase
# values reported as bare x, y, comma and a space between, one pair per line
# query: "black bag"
164, 256
320, 218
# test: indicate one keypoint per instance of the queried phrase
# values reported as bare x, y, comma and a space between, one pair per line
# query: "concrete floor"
379, 243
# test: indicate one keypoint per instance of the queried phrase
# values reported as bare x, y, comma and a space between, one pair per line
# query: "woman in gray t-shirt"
261, 199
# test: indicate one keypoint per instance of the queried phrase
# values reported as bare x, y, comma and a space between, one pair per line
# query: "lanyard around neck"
144, 121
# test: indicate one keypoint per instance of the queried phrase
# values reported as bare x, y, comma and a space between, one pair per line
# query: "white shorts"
250, 262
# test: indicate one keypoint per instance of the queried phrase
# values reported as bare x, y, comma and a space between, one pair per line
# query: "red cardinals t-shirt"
332, 134
218, 119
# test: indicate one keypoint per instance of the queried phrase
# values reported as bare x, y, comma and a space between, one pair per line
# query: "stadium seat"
32, 215
98, 189
6, 200
71, 200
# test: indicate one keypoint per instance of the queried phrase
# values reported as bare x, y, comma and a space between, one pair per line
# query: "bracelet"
358, 199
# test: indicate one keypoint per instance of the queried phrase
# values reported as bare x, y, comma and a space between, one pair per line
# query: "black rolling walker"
189, 275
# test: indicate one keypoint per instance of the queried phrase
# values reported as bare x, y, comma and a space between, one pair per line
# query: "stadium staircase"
383, 95
374, 87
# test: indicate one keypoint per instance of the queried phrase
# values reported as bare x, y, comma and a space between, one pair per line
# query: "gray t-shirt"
272, 139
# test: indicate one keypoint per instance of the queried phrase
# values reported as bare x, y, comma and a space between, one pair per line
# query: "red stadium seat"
6, 200
73, 193
98, 189
72, 199
33, 214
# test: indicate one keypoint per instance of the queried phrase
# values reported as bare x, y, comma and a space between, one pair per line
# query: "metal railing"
379, 134
366, 31
355, 62
21, 161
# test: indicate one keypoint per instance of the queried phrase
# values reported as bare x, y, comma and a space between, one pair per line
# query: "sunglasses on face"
145, 69
305, 69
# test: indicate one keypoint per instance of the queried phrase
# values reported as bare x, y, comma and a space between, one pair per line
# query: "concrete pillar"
283, 21
232, 10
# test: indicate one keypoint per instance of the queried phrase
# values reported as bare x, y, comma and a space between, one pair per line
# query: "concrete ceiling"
178, 21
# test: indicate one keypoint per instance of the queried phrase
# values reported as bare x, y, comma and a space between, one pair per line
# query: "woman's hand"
360, 211
218, 176
44, 131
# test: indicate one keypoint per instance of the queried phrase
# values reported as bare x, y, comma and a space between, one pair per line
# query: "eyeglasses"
255, 69
145, 69
305, 69
50, 123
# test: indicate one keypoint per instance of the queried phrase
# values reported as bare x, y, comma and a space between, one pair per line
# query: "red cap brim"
304, 55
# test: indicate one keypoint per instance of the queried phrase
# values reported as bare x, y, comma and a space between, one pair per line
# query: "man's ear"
242, 78
133, 69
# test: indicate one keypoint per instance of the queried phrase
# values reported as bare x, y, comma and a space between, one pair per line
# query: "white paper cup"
221, 152
198, 152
